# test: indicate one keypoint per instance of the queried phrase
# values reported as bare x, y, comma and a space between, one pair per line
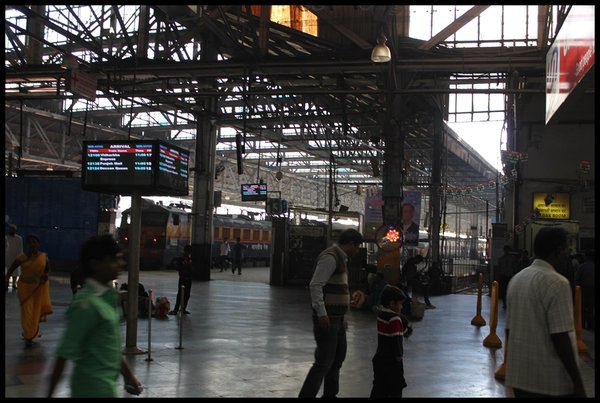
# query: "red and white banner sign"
570, 57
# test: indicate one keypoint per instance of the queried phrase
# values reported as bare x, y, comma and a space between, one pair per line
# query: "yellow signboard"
553, 206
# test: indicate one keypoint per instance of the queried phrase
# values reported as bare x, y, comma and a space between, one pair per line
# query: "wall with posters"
374, 215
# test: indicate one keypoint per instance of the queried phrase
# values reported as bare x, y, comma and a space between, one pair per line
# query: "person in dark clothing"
76, 280
238, 256
523, 260
506, 269
584, 277
184, 267
392, 326
412, 278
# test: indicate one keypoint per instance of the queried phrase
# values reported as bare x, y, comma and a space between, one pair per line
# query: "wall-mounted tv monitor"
254, 192
151, 167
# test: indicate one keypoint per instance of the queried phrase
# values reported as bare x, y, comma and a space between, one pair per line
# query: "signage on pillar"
553, 206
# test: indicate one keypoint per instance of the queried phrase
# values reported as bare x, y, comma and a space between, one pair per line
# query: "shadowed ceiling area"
288, 89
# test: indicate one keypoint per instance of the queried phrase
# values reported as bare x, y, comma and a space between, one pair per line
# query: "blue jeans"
329, 356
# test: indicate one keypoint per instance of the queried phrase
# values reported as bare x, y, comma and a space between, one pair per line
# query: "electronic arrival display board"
151, 167
254, 192
173, 169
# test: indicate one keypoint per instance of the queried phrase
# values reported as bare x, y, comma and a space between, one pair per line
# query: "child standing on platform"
388, 368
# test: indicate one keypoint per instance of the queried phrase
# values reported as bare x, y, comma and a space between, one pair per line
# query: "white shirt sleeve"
323, 271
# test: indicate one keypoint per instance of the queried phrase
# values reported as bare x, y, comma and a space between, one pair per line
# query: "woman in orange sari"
33, 288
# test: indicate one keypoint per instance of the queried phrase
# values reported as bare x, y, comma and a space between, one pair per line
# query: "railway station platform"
245, 338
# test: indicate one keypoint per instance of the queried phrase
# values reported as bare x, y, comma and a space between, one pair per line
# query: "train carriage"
165, 230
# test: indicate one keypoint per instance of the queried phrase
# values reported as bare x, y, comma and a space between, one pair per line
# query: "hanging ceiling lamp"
381, 53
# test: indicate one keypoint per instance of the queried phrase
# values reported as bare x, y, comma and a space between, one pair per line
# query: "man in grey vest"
330, 300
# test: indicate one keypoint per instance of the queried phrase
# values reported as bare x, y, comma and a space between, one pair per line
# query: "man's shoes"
240, 273
186, 312
429, 306
172, 313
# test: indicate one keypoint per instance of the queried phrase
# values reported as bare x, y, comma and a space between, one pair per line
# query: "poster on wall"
411, 216
552, 206
373, 215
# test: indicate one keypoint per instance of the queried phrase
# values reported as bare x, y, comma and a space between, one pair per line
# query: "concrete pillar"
436, 184
203, 203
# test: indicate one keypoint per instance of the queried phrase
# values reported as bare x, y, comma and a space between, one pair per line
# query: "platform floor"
244, 338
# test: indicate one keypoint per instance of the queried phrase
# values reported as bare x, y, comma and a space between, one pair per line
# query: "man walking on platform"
541, 358
224, 253
13, 247
238, 256
330, 300
506, 269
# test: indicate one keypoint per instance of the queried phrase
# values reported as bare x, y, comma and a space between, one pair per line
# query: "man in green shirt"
92, 339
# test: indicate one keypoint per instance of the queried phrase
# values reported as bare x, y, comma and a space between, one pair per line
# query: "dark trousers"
502, 286
388, 378
237, 264
187, 283
329, 356
588, 305
420, 289
222, 262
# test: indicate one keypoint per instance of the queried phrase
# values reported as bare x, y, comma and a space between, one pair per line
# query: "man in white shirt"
224, 253
541, 358
13, 247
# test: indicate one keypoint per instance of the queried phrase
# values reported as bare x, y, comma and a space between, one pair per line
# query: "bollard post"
492, 340
180, 314
581, 347
150, 298
478, 319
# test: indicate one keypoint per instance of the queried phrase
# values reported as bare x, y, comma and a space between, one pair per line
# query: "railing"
464, 273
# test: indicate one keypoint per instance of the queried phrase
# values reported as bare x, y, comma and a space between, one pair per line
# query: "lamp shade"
381, 53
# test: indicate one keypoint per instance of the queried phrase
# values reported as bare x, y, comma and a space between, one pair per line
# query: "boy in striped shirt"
392, 326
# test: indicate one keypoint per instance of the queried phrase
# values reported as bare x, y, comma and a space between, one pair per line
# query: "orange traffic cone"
492, 340
500, 373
